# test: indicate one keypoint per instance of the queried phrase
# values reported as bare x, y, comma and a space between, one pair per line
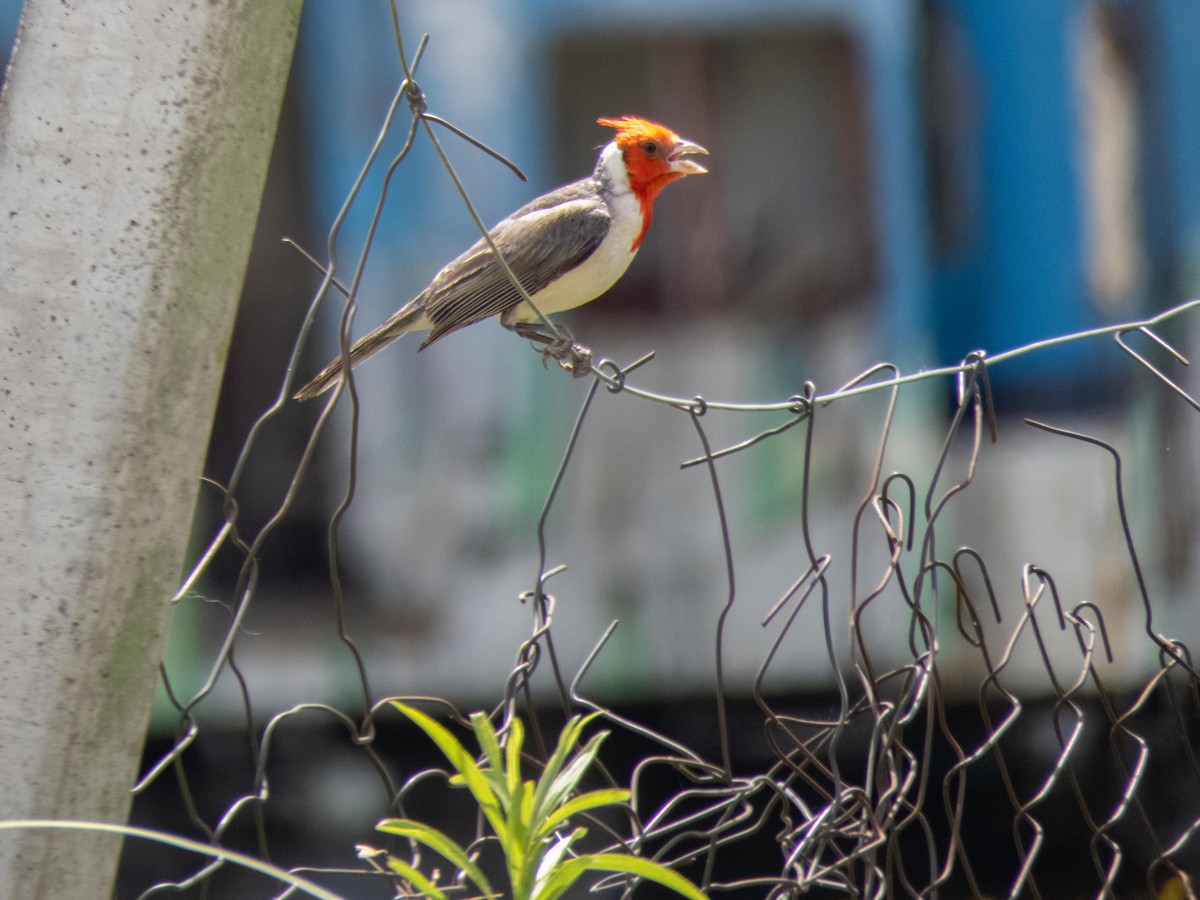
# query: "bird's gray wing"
539, 242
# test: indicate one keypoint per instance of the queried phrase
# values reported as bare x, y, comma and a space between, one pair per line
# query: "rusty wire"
863, 830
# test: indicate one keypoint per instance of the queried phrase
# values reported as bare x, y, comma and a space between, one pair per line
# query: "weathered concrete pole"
134, 140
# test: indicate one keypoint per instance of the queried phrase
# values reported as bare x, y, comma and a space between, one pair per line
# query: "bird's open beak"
686, 166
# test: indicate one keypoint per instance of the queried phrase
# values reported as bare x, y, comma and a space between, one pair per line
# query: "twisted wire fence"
1073, 771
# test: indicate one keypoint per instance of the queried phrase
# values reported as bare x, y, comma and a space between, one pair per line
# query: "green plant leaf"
485, 733
544, 802
569, 872
464, 764
441, 843
553, 856
413, 876
555, 787
513, 743
590, 800
566, 744
523, 848
294, 881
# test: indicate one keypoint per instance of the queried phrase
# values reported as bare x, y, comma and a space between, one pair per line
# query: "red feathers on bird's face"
652, 154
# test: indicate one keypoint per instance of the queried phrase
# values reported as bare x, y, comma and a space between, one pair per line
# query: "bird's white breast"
609, 260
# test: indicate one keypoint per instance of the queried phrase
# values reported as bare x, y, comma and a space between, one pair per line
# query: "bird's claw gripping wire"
560, 347
570, 356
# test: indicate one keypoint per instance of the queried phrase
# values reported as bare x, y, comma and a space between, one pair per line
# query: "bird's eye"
650, 147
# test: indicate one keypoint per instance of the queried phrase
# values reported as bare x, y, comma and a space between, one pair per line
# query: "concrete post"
134, 140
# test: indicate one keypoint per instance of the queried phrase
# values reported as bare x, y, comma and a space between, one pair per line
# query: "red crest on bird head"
631, 130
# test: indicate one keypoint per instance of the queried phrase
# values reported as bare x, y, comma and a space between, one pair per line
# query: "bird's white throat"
616, 176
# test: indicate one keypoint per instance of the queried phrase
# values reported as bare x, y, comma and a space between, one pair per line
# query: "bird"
566, 247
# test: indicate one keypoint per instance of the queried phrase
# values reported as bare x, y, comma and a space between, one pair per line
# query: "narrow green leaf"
590, 800
553, 856
526, 816
566, 743
559, 880
485, 733
518, 825
555, 783
570, 871
522, 850
513, 742
463, 762
562, 785
439, 842
413, 876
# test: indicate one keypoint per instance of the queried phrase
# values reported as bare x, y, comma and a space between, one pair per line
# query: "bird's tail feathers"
407, 319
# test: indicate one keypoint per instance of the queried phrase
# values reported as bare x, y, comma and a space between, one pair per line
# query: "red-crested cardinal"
567, 248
